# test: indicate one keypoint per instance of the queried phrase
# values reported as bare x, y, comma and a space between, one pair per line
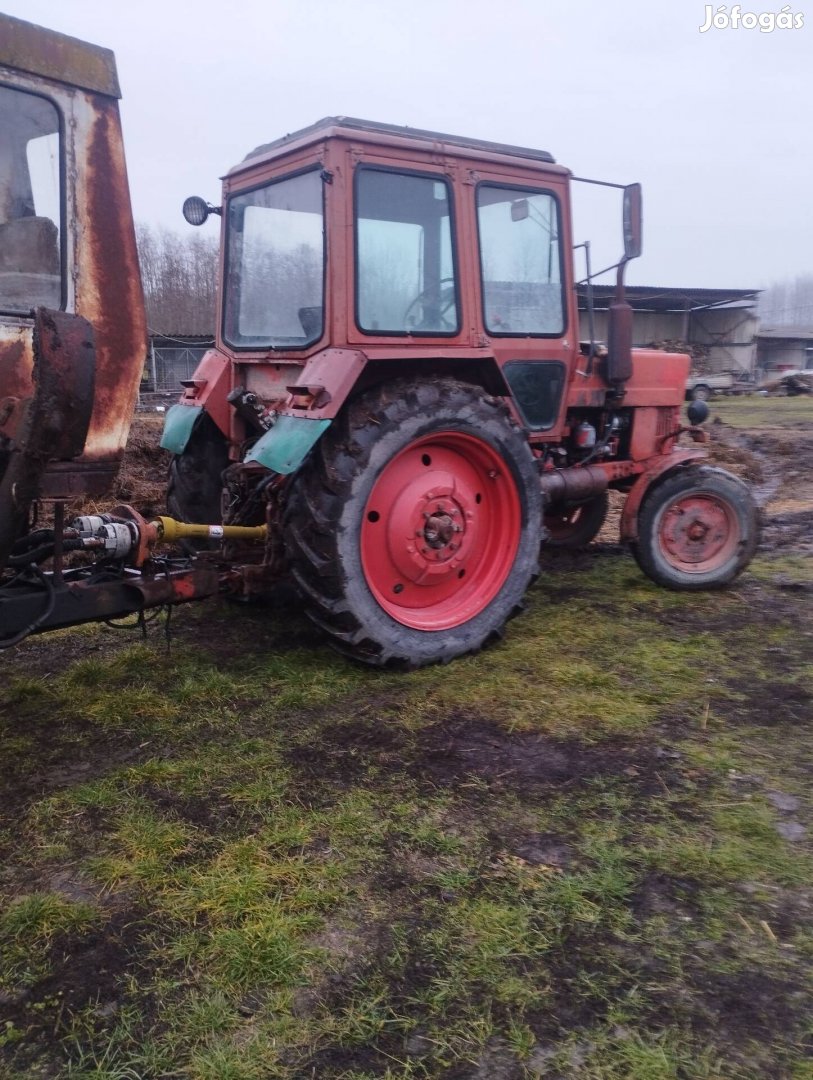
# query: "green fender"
286, 445
178, 424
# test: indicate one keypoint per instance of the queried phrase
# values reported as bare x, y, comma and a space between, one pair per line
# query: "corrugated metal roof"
663, 299
786, 333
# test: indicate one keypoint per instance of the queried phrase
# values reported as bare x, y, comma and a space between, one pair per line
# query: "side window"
520, 258
30, 201
405, 272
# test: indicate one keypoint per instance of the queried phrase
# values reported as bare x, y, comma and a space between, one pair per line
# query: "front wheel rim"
441, 531
698, 533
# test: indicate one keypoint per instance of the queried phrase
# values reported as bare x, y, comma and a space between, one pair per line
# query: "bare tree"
180, 280
788, 303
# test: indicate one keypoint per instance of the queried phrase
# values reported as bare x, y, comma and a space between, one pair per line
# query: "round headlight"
195, 210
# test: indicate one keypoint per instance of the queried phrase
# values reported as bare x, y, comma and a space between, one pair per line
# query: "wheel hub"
440, 528
697, 532
439, 522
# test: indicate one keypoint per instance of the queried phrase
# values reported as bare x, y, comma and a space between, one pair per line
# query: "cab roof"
349, 126
37, 51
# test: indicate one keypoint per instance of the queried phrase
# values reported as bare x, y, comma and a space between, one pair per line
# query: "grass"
755, 411
246, 858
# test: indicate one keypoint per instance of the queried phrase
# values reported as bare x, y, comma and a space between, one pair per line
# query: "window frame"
315, 167
450, 192
63, 203
527, 190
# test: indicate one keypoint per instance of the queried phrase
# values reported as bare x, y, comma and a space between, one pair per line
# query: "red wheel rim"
698, 532
440, 531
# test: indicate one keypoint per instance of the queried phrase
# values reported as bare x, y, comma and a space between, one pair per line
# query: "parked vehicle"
702, 387
397, 410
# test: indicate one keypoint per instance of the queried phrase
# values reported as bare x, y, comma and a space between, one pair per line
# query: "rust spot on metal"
15, 381
109, 290
64, 366
55, 420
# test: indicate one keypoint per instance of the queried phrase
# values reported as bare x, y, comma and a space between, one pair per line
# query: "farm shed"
788, 348
719, 324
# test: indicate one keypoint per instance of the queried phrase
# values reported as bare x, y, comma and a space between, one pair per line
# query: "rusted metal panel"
108, 281
16, 364
102, 283
55, 418
64, 373
34, 49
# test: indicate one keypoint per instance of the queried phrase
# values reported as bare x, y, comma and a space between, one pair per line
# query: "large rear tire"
413, 529
697, 529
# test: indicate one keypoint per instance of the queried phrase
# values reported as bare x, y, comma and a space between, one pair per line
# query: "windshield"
274, 289
30, 199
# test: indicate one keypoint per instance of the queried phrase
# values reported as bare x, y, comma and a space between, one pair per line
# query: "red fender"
658, 468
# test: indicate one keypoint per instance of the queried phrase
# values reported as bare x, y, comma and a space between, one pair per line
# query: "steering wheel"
445, 300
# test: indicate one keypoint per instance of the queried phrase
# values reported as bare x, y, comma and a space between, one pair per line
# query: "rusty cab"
72, 336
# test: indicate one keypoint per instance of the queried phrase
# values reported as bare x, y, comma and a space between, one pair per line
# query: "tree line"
179, 274
788, 303
180, 285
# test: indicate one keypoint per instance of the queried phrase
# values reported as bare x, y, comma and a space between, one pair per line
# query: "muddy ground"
471, 756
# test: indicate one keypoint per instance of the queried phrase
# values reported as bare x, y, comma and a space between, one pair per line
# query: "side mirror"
519, 209
633, 221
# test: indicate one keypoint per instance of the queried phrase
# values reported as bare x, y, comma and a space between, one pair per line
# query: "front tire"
697, 529
413, 529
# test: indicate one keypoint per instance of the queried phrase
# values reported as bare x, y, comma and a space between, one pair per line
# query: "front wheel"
413, 530
697, 529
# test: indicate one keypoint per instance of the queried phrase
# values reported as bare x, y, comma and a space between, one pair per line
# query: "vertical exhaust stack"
619, 333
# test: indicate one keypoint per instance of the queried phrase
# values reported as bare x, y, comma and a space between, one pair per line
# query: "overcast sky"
716, 125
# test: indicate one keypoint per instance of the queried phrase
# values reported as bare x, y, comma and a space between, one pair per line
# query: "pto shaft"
170, 530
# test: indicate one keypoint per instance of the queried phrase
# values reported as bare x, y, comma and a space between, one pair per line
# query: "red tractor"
398, 410
399, 392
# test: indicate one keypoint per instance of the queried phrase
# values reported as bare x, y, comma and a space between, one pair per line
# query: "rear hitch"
125, 576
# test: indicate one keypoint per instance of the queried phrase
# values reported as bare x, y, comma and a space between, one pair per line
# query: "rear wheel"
697, 529
575, 526
413, 529
194, 486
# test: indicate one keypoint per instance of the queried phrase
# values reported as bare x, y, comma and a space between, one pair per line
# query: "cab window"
30, 202
405, 271
520, 260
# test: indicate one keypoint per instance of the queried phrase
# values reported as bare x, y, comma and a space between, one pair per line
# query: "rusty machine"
398, 409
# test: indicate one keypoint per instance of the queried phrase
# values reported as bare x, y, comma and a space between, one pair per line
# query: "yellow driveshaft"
170, 530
